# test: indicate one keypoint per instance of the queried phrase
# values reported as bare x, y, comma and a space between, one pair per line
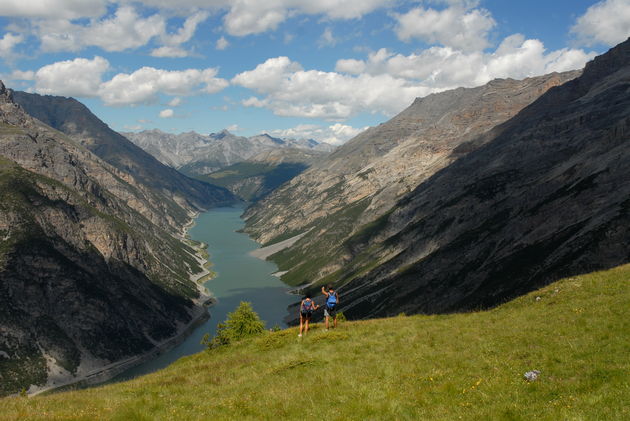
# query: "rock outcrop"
91, 269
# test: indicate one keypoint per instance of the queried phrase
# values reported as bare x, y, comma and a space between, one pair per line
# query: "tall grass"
446, 367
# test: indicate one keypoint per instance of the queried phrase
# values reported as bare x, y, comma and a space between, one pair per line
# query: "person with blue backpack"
307, 307
332, 301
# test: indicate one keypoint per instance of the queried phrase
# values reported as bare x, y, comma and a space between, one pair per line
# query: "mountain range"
466, 199
197, 154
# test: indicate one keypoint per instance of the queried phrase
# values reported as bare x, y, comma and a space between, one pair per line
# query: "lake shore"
264, 252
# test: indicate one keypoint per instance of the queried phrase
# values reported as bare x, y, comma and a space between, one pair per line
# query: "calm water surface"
240, 277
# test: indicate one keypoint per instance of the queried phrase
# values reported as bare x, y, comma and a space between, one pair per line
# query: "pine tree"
239, 324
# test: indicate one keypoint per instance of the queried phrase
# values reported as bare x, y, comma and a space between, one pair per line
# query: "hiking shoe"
300, 335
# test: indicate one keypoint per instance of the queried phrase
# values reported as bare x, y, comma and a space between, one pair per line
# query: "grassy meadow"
445, 367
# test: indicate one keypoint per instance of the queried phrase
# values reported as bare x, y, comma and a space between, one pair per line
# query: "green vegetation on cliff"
252, 181
447, 367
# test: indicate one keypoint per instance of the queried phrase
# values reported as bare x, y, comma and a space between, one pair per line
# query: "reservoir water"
240, 277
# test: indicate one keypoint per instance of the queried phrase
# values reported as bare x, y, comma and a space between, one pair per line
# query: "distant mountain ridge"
198, 154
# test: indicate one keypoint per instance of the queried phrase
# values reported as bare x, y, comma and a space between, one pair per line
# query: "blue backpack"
331, 301
307, 306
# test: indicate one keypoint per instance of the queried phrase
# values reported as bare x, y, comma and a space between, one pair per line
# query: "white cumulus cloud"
144, 85
79, 77
222, 44
387, 82
327, 39
8, 42
168, 51
606, 22
456, 26
350, 66
293, 91
68, 9
247, 17
125, 30
82, 77
167, 113
440, 68
175, 102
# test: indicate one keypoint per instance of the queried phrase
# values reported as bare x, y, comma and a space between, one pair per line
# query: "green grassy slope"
446, 367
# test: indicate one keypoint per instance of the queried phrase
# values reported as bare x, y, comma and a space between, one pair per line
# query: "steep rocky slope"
545, 195
86, 277
168, 193
364, 178
197, 154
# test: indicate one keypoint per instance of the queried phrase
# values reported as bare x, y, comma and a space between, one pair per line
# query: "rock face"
545, 195
169, 193
363, 179
90, 269
197, 154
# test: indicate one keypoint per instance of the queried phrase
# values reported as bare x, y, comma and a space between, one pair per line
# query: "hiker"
332, 300
307, 307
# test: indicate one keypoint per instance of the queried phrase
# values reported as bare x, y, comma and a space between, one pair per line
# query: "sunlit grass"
448, 367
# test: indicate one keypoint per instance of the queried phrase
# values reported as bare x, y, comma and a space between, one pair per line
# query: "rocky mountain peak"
606, 64
10, 112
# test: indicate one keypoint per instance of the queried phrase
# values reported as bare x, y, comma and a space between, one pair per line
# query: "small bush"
241, 323
341, 317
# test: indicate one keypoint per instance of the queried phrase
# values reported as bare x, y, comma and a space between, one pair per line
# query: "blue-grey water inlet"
240, 277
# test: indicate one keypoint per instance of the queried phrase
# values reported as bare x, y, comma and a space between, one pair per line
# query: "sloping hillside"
364, 178
447, 367
548, 196
86, 277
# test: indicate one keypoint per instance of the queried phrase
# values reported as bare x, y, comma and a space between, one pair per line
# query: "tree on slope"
239, 324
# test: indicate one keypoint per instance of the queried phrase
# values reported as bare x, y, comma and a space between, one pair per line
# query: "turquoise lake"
240, 277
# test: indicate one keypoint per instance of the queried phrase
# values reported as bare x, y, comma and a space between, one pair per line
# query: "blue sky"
294, 68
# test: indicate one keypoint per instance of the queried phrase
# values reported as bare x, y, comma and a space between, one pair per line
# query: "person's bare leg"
308, 319
335, 321
327, 322
301, 325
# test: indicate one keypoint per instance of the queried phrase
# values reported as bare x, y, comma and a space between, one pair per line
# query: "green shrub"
241, 323
341, 317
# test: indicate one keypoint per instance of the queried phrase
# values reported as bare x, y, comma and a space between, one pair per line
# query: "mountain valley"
95, 269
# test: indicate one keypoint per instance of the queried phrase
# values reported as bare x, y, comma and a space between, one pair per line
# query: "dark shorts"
306, 314
330, 312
